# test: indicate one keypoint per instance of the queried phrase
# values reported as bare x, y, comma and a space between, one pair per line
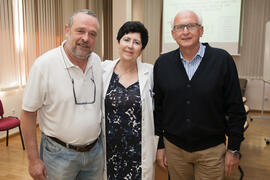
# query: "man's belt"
83, 148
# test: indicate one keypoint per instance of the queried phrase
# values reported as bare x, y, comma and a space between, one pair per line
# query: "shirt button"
188, 120
189, 86
188, 102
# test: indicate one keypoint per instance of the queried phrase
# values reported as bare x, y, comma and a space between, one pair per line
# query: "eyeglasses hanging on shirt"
79, 101
80, 97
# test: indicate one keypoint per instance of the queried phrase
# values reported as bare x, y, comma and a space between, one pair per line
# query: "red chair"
7, 123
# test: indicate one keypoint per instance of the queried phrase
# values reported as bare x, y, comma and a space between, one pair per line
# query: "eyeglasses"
190, 27
74, 94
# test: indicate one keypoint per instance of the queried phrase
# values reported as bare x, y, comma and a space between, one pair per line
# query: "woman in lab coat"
128, 126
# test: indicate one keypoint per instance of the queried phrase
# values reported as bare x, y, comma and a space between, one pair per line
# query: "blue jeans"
67, 164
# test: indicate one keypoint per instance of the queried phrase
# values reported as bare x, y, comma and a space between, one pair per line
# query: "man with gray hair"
197, 103
63, 93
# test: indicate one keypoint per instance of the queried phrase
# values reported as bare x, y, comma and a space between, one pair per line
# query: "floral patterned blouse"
123, 131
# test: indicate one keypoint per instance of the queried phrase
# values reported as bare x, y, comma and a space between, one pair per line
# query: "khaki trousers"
207, 164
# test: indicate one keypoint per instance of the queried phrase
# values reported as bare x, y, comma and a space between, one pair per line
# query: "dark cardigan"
196, 114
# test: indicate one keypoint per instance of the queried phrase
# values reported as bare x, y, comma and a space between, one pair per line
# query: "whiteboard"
221, 21
266, 68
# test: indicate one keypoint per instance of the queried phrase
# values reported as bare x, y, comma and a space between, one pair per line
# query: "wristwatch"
235, 153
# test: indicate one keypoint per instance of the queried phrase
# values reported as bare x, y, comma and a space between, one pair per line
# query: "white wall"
254, 95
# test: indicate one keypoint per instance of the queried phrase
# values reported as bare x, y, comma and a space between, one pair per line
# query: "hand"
231, 163
37, 170
161, 158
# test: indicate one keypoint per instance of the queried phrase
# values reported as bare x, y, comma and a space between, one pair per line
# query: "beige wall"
254, 94
121, 14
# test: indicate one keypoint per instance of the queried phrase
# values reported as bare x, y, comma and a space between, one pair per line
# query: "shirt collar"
200, 52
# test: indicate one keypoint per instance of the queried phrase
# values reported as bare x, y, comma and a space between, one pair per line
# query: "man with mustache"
64, 94
197, 102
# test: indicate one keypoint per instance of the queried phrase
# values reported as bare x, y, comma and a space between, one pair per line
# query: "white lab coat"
149, 140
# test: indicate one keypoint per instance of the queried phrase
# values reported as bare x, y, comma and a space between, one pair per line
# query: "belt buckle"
81, 148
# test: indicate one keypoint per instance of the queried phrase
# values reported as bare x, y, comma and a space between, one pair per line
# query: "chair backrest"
1, 109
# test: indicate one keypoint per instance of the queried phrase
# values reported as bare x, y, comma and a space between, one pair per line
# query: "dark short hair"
134, 27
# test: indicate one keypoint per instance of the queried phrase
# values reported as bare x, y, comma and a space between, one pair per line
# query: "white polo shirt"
49, 91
